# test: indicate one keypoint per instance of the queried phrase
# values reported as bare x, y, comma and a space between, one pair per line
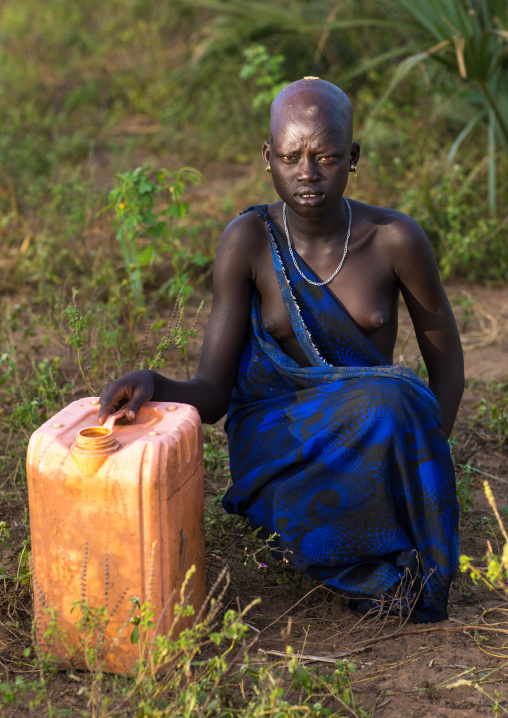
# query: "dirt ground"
401, 669
408, 670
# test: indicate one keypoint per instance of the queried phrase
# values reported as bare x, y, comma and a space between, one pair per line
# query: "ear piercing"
353, 169
268, 169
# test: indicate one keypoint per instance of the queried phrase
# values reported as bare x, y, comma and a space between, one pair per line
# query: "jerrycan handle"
110, 421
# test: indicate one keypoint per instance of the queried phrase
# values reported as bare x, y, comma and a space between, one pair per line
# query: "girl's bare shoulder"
243, 242
385, 217
246, 230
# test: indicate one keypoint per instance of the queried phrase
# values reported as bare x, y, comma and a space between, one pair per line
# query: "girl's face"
310, 158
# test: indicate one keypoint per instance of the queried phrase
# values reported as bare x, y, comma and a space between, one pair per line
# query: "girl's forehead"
307, 129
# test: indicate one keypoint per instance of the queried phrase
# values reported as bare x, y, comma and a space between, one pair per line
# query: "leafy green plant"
494, 413
35, 395
463, 483
177, 336
266, 71
75, 318
22, 576
468, 243
9, 366
38, 397
495, 575
10, 692
104, 347
215, 456
24, 570
5, 534
145, 232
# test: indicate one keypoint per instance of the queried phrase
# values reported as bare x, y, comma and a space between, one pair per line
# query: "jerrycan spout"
92, 447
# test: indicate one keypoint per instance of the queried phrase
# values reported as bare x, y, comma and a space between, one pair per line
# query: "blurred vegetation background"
97, 97
90, 89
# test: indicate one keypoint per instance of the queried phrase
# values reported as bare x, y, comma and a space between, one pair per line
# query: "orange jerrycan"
115, 513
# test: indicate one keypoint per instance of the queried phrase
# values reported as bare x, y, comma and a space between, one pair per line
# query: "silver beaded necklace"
318, 284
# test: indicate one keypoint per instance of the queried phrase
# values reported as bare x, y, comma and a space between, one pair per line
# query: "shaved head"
314, 98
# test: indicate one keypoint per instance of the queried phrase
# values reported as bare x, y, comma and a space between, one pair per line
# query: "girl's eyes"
294, 158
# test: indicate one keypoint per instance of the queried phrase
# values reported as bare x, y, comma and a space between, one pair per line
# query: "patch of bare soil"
401, 669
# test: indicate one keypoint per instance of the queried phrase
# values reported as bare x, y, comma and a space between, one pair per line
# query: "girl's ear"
266, 153
355, 153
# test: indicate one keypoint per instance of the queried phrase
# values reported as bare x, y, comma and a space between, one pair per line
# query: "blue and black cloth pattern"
345, 460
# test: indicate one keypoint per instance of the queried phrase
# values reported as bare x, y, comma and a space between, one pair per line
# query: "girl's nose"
308, 170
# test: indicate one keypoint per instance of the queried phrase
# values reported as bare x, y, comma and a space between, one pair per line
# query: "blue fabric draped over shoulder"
345, 460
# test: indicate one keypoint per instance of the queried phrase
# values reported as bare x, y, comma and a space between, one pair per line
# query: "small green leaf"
301, 678
146, 256
145, 186
135, 635
177, 210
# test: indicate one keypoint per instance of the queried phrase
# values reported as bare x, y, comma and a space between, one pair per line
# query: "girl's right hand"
129, 392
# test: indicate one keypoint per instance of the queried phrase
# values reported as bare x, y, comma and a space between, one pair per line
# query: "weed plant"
133, 201
493, 412
207, 670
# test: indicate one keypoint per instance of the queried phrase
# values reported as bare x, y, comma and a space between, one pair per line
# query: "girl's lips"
309, 200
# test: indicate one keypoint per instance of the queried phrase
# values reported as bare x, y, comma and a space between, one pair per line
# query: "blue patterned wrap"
345, 460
